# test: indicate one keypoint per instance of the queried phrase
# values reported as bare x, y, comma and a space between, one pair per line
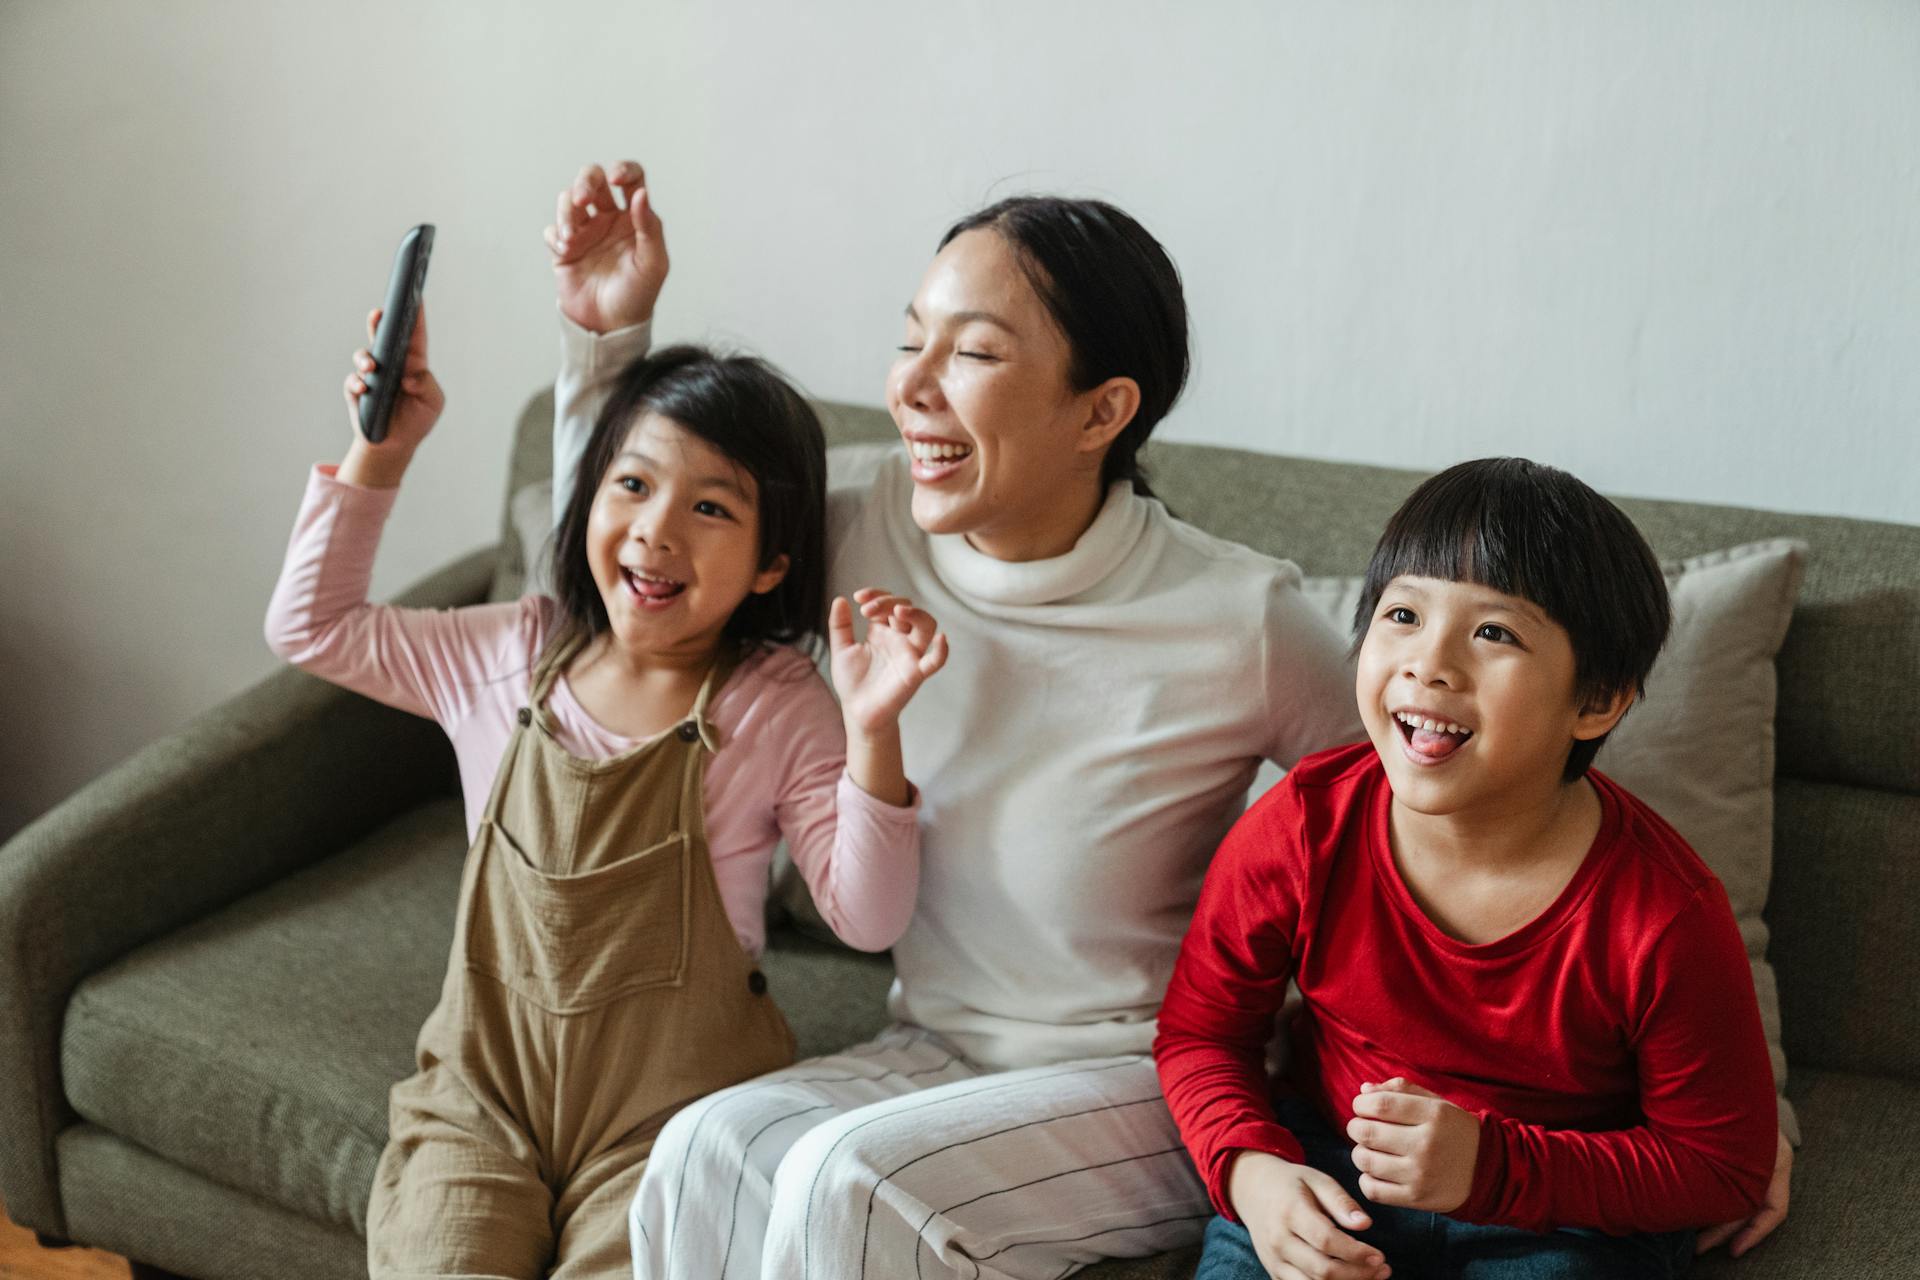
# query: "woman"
1115, 678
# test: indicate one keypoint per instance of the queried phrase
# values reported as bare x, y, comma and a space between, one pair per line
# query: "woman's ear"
771, 576
1602, 712
1111, 406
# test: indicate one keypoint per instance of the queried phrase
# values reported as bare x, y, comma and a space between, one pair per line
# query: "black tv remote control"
404, 286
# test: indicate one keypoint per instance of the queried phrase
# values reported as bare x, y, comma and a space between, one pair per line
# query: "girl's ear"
1602, 713
771, 576
1113, 404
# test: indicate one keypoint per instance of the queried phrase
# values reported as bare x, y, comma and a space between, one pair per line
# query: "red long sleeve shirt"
1611, 1047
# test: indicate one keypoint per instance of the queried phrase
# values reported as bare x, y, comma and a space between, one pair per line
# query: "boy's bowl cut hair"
743, 407
1536, 532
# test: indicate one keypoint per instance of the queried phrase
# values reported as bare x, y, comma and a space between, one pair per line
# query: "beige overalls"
595, 987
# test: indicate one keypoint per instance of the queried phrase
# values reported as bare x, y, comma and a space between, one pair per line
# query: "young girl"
630, 752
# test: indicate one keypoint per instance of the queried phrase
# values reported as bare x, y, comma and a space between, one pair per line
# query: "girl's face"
673, 541
981, 395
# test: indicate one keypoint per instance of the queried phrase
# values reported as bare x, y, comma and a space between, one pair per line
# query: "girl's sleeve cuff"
593, 352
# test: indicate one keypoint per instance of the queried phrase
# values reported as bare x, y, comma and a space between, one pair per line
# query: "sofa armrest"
273, 780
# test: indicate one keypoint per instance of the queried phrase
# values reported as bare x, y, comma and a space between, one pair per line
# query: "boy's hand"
1414, 1149
877, 677
1290, 1210
1751, 1231
415, 409
608, 262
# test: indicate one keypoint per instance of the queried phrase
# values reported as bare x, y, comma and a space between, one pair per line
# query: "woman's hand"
416, 407
1291, 1210
608, 262
878, 676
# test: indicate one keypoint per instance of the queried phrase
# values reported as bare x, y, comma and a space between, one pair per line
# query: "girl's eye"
712, 509
1402, 615
1496, 633
633, 484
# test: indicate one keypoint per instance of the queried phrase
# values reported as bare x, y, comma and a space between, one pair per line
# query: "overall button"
525, 716
757, 983
689, 731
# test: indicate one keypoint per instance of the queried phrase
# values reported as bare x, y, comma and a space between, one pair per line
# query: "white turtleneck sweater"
1089, 742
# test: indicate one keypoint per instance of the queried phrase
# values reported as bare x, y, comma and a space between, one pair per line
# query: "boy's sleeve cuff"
1267, 1137
585, 349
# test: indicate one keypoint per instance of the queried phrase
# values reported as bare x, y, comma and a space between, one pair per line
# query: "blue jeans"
1421, 1244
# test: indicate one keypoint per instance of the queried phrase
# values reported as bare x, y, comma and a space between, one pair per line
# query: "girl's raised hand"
878, 676
415, 409
608, 261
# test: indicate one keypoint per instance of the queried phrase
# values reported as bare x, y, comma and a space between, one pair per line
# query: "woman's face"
981, 394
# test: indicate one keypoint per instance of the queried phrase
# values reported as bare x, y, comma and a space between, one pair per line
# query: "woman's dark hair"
1116, 296
743, 407
1536, 532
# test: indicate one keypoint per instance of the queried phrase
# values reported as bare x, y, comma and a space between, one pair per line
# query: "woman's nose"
914, 383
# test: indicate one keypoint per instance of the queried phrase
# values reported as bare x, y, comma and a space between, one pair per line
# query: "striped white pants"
898, 1158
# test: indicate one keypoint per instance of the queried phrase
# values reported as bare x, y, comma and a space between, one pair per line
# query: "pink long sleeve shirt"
780, 770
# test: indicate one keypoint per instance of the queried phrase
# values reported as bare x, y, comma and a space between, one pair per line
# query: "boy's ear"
1111, 407
771, 576
1602, 713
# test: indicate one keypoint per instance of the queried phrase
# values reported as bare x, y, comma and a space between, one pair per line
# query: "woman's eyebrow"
965, 317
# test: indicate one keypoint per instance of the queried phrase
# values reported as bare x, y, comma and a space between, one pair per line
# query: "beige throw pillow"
1699, 748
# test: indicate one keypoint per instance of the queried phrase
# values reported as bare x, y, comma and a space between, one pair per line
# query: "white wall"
1671, 246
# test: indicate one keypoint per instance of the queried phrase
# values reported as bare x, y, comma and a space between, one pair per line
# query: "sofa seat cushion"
257, 1046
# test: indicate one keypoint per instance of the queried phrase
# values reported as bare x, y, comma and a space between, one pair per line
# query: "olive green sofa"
213, 959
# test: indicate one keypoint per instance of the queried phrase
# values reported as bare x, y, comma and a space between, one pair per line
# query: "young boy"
1530, 1044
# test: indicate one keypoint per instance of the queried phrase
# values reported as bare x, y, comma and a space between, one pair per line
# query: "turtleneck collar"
1115, 531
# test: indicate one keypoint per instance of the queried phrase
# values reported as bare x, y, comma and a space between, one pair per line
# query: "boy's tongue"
1435, 745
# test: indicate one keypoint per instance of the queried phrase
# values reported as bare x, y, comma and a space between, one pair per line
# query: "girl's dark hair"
743, 407
1539, 533
1116, 295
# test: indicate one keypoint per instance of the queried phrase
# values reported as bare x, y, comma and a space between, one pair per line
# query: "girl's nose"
654, 525
1432, 662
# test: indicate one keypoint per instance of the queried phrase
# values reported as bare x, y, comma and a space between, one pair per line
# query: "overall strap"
553, 661
722, 668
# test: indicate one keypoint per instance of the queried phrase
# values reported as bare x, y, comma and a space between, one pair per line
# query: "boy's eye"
1496, 633
1402, 615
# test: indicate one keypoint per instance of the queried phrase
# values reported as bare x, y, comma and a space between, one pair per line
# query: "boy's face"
1493, 675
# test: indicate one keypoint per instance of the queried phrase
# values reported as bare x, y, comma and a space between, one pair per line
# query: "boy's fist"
609, 261
1414, 1149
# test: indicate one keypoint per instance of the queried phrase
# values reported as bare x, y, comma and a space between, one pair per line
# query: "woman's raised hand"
878, 676
608, 262
415, 409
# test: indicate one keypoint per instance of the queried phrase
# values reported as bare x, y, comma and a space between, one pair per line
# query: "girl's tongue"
651, 590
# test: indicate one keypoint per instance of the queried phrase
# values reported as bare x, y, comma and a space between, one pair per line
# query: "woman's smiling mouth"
935, 459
